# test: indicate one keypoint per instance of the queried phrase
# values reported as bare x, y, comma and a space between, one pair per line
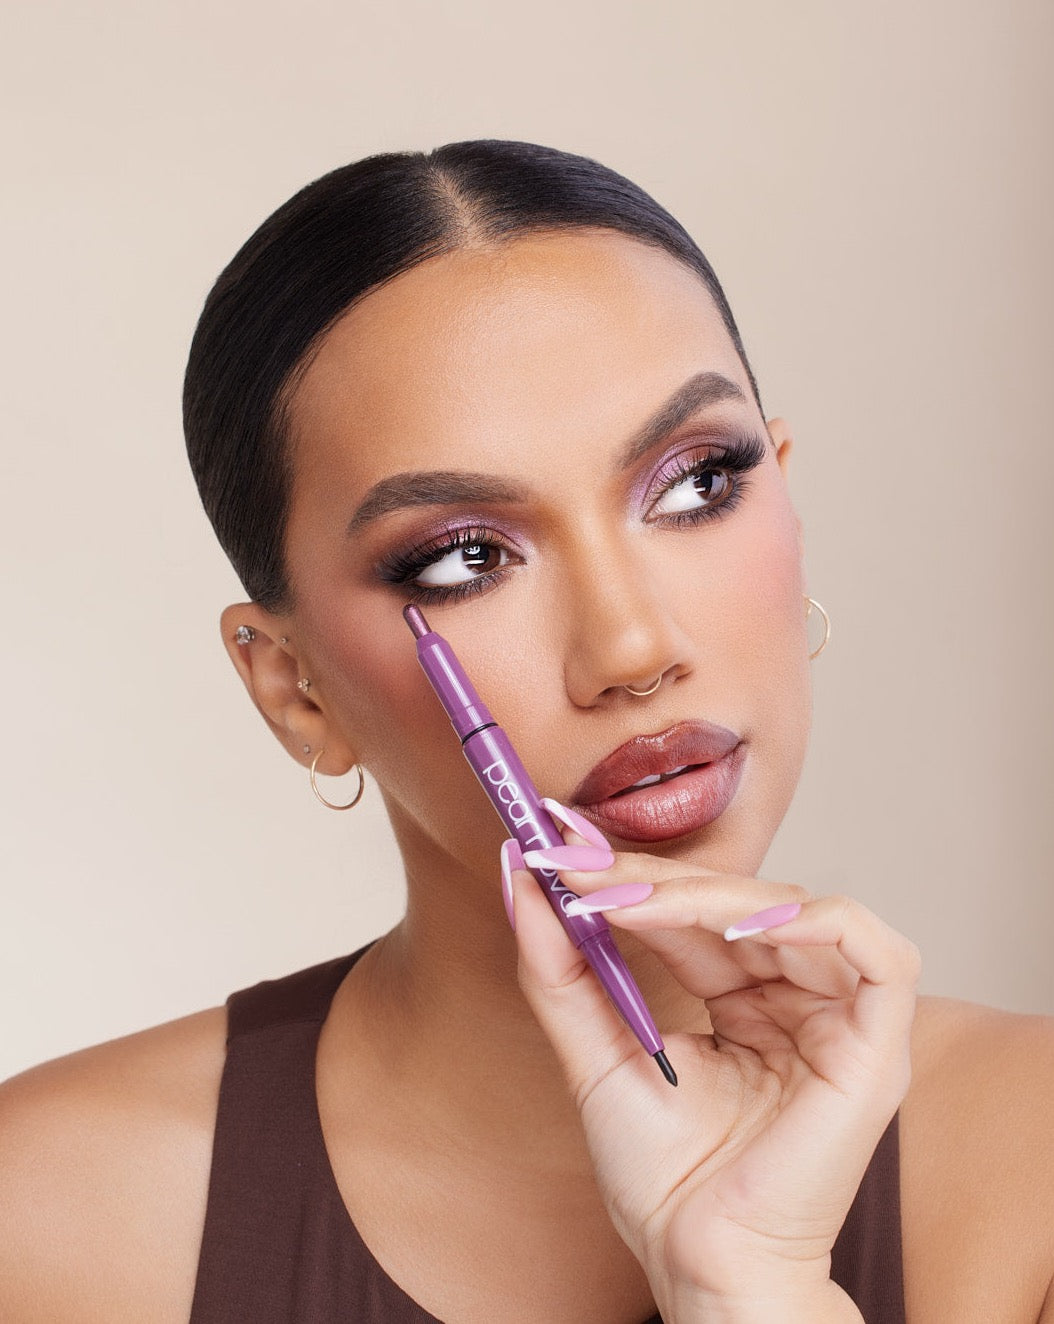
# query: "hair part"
327, 247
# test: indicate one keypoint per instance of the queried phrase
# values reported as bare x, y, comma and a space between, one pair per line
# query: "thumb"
590, 1038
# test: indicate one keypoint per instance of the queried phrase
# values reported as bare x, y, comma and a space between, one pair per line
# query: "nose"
624, 637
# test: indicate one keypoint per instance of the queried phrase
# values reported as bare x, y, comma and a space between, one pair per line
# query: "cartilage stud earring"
244, 634
303, 685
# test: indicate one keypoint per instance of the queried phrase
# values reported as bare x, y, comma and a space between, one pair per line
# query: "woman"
501, 383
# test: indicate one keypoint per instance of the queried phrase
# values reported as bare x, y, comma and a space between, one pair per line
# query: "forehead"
561, 335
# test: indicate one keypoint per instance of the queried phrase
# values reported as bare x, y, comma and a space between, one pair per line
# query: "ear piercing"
245, 634
809, 604
329, 805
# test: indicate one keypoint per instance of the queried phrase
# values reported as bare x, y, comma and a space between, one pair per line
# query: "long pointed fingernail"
576, 823
609, 898
771, 918
589, 858
511, 858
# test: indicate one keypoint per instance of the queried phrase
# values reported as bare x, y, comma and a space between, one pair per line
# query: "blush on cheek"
770, 637
377, 694
771, 566
366, 668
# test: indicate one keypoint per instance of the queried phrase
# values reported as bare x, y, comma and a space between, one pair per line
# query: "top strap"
304, 996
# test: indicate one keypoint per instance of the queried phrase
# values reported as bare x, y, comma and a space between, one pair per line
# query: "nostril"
645, 690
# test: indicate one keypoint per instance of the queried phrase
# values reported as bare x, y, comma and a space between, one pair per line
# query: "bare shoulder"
994, 1069
104, 1166
977, 1184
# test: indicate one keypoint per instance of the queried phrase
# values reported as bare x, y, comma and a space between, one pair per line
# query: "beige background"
873, 185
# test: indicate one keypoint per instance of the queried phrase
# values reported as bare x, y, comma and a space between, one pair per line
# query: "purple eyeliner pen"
513, 794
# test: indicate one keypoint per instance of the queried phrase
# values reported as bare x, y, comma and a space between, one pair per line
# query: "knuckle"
842, 905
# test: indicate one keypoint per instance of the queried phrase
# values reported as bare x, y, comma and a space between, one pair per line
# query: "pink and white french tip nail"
511, 858
609, 898
576, 823
589, 858
771, 918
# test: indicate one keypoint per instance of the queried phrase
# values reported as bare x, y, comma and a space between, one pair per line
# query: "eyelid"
737, 453
403, 563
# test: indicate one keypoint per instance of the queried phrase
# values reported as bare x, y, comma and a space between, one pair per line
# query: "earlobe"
265, 657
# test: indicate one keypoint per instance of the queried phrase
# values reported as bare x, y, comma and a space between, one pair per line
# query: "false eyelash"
401, 567
738, 458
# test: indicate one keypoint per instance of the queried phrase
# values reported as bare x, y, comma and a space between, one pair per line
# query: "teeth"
657, 777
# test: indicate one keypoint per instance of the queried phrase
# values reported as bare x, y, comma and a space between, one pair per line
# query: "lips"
655, 787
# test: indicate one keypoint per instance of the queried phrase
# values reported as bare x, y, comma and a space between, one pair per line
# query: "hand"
733, 1187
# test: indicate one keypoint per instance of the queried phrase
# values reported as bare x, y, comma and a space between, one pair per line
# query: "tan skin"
537, 362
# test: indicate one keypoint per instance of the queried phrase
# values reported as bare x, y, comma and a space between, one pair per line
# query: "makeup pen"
512, 793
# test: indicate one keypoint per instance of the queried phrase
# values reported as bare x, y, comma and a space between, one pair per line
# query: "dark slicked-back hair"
329, 246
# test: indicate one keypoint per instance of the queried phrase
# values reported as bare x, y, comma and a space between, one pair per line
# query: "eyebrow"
437, 488
455, 487
697, 393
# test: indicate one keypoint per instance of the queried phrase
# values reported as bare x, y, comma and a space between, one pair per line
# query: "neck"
437, 1001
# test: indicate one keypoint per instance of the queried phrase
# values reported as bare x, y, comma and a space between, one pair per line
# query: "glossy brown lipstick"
656, 787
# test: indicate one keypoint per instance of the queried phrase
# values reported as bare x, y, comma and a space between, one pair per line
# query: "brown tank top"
279, 1247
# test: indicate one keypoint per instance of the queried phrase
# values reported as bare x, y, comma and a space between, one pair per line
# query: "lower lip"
674, 808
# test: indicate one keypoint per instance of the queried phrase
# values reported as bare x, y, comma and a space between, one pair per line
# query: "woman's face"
537, 443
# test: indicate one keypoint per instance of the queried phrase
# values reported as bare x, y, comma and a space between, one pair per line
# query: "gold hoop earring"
641, 694
811, 602
314, 785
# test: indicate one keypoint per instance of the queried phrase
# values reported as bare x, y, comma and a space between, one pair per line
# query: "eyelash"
736, 459
402, 567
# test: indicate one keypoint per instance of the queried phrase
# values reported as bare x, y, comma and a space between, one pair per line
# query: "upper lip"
685, 744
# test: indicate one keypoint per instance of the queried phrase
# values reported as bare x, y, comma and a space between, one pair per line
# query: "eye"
701, 487
697, 485
462, 564
453, 565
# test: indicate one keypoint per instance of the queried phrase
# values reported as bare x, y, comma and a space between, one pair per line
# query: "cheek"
771, 650
747, 618
377, 694
748, 606
770, 586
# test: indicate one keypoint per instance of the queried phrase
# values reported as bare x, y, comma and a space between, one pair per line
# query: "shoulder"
104, 1168
994, 1068
977, 1143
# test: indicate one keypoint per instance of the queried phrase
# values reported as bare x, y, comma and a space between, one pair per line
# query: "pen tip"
665, 1068
416, 621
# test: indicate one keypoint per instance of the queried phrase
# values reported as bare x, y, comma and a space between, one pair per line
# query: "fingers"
680, 915
684, 920
589, 1037
698, 960
511, 858
887, 964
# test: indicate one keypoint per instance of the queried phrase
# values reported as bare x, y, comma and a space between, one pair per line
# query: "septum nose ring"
640, 694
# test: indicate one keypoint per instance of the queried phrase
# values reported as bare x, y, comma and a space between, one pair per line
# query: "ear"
779, 431
782, 440
270, 667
